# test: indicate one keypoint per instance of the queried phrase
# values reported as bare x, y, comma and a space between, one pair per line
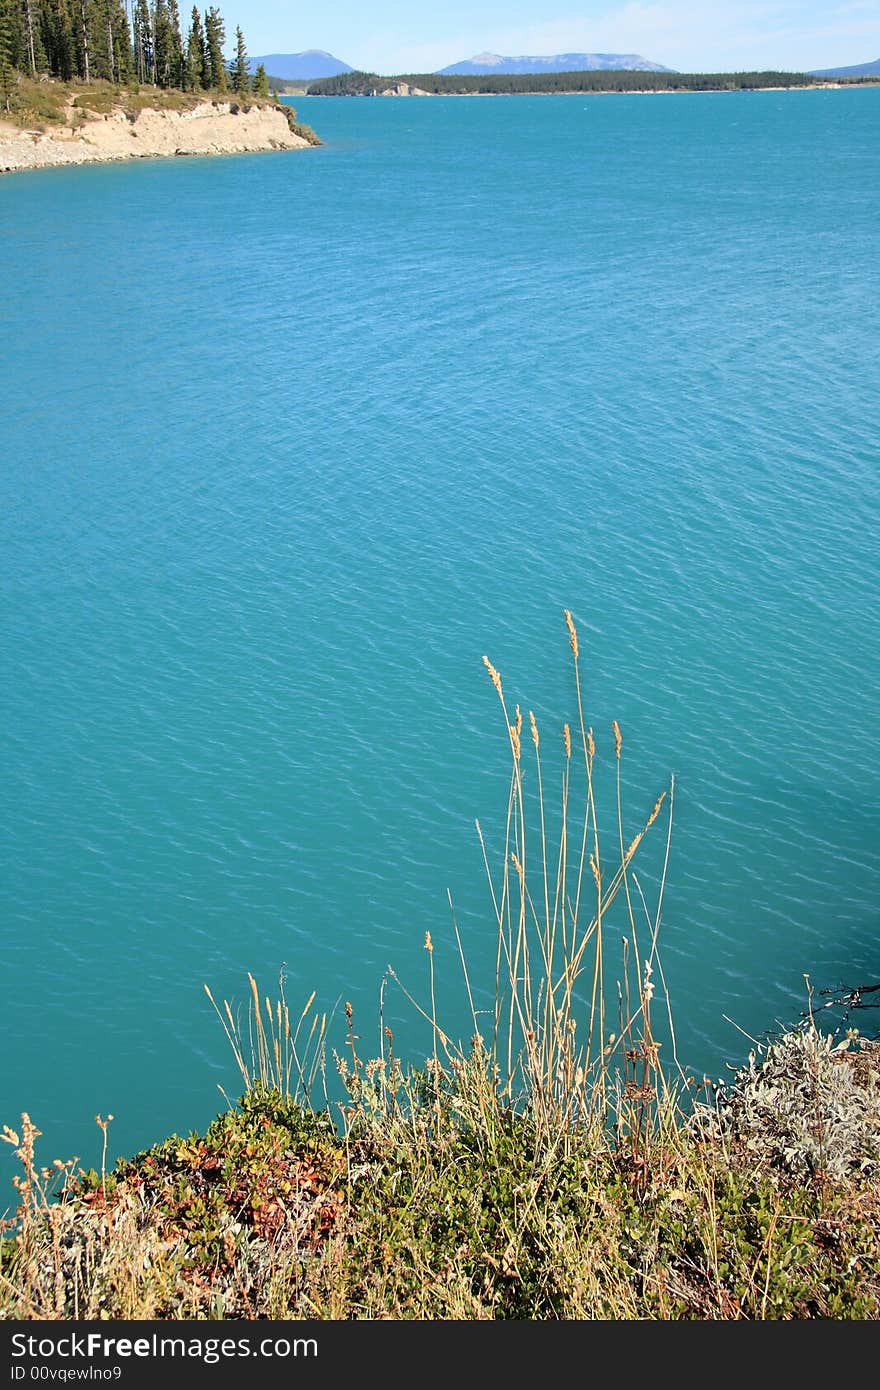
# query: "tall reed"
551, 1042
551, 1051
270, 1054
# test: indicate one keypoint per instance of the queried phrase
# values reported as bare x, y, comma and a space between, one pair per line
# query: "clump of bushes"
433, 1198
808, 1105
305, 132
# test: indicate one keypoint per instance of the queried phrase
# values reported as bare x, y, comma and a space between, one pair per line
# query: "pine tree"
121, 40
144, 53
58, 40
261, 82
29, 27
239, 67
13, 48
215, 37
107, 28
162, 45
177, 64
7, 80
104, 47
83, 41
196, 67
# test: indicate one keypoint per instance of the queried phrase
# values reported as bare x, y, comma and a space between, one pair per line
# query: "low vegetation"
49, 103
551, 1168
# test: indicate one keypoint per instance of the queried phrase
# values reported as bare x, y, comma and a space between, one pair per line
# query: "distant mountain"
860, 70
485, 63
314, 62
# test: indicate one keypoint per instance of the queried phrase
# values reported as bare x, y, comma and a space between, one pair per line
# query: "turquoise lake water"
288, 441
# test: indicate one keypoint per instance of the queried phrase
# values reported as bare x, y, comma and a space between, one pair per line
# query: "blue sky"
691, 35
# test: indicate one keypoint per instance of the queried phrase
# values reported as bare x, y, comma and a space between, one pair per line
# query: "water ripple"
289, 443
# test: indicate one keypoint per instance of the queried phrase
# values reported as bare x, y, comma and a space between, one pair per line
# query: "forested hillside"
620, 80
94, 40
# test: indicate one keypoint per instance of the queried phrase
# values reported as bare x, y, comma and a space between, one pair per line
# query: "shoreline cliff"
204, 127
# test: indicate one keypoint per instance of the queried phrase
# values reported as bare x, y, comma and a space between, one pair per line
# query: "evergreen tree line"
602, 80
122, 41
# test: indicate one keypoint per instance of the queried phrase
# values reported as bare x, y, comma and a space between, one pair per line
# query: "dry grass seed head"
496, 679
515, 741
635, 844
572, 633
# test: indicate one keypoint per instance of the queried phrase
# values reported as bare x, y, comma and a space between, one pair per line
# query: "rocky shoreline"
208, 128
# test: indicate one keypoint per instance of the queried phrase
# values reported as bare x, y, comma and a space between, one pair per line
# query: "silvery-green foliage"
807, 1104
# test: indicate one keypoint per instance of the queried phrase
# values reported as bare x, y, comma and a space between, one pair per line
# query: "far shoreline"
603, 92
